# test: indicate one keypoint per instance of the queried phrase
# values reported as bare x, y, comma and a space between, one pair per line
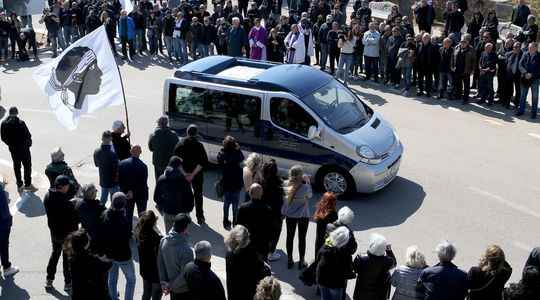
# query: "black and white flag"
82, 79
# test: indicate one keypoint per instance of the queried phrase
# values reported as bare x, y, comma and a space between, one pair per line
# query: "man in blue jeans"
114, 241
529, 66
107, 162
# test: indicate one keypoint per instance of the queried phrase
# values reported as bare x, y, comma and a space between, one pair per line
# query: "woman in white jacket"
296, 48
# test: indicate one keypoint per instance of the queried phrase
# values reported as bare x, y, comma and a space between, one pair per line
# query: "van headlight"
367, 155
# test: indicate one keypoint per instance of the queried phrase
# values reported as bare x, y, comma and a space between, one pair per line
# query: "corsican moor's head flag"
83, 79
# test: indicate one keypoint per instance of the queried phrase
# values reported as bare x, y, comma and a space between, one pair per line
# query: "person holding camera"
346, 43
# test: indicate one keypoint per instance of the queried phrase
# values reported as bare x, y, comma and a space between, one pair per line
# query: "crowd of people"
94, 236
394, 50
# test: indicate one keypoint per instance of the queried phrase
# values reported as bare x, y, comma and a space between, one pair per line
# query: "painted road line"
453, 108
518, 207
534, 135
493, 122
44, 111
522, 246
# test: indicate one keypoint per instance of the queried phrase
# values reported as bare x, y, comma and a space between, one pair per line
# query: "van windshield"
338, 107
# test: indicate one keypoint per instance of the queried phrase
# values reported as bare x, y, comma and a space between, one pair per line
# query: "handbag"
218, 186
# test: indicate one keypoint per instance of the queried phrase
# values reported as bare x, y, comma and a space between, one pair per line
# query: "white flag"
127, 5
82, 79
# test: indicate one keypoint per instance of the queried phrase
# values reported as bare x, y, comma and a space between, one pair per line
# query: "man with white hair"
237, 39
345, 219
256, 216
120, 141
59, 167
202, 282
444, 281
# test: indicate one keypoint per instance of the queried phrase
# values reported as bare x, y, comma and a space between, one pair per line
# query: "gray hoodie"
174, 254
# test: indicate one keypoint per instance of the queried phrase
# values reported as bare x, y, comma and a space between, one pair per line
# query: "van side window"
188, 100
291, 116
232, 113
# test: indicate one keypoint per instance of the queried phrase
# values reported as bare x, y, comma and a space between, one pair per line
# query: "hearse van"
292, 113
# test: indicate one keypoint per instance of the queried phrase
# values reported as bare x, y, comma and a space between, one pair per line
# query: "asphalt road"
469, 174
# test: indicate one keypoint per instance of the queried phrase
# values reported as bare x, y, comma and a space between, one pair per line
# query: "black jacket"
121, 146
446, 59
443, 281
454, 21
133, 176
114, 235
173, 194
256, 216
203, 284
534, 258
373, 277
425, 55
244, 270
334, 267
162, 143
148, 253
89, 277
61, 217
192, 153
232, 175
107, 162
486, 286
273, 195
520, 14
15, 133
88, 212
322, 225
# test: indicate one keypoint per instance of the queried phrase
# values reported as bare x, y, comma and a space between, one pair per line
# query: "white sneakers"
11, 271
274, 256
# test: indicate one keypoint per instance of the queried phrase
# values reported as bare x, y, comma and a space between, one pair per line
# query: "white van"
294, 114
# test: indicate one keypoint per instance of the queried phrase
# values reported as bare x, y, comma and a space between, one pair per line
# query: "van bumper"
371, 178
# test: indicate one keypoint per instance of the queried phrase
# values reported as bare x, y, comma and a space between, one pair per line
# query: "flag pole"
125, 101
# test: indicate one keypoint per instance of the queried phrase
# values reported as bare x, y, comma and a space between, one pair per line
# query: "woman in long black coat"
149, 240
229, 158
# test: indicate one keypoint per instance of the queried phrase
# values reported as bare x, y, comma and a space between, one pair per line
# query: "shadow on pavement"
370, 98
391, 206
30, 205
10, 290
205, 233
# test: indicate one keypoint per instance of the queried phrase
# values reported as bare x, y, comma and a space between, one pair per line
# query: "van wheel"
335, 180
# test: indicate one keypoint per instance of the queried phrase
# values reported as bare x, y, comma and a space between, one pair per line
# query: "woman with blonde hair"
487, 280
268, 289
296, 212
252, 172
405, 277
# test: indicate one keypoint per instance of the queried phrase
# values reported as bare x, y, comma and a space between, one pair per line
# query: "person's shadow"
10, 290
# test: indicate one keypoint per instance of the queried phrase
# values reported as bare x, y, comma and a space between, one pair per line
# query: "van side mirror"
314, 132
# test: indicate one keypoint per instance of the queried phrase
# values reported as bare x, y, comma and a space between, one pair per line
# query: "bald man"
133, 177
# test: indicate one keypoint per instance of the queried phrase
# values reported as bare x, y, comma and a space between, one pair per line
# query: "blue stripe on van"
291, 147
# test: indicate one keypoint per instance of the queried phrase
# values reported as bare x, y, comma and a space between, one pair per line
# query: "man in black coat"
520, 13
88, 211
202, 282
161, 143
133, 178
114, 241
62, 221
256, 216
120, 140
173, 194
17, 137
425, 15
512, 81
106, 160
425, 56
453, 21
194, 160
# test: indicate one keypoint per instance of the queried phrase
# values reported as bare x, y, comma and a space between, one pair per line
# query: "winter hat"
345, 215
377, 245
119, 200
339, 237
61, 180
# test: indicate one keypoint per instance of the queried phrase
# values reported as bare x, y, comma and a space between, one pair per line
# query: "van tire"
339, 177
